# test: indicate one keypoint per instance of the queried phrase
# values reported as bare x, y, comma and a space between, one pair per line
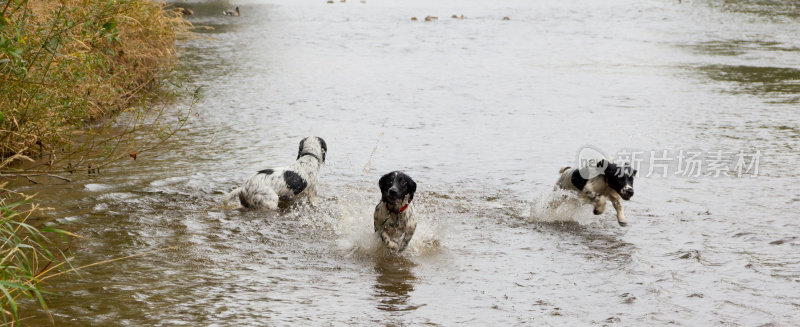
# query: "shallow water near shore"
482, 113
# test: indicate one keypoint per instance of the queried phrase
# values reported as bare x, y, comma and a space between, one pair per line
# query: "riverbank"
64, 64
67, 68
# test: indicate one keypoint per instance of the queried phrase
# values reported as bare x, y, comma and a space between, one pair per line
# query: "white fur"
395, 229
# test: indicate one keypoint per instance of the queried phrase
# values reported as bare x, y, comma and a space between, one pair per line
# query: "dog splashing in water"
269, 186
394, 219
595, 184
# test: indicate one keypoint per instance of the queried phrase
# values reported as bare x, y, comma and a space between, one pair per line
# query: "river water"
481, 112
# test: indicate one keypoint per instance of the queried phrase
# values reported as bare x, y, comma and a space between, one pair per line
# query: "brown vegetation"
64, 64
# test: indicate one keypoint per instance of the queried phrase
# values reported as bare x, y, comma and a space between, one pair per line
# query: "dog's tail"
563, 169
231, 196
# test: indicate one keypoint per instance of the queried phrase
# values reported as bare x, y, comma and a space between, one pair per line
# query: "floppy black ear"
300, 151
613, 170
324, 147
412, 187
383, 182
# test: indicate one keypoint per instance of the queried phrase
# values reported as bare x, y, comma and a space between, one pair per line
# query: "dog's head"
619, 177
396, 188
314, 146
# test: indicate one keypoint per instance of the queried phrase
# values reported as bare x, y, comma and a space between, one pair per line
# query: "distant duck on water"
233, 12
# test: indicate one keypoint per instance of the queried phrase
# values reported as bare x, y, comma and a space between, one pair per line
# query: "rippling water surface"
482, 113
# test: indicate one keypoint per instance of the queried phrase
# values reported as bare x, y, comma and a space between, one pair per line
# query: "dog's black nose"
393, 192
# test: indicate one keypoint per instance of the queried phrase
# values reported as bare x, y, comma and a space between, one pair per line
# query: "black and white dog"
394, 216
270, 186
600, 182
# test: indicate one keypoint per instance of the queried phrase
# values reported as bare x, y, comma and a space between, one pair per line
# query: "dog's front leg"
392, 245
617, 203
600, 205
406, 239
597, 200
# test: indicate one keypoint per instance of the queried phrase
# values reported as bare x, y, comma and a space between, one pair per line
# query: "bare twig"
32, 175
15, 157
8, 2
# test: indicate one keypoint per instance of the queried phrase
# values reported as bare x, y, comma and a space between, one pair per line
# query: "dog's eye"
402, 182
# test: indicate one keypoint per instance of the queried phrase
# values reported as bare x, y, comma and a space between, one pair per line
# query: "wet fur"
395, 228
269, 186
607, 181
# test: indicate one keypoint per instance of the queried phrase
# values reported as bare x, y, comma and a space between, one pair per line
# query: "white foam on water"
93, 187
100, 207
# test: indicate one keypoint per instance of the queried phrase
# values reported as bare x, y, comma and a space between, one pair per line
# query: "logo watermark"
677, 163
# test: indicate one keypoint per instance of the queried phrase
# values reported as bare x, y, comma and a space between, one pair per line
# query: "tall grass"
26, 257
66, 63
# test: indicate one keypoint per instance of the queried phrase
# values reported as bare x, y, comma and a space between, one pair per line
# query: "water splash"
429, 234
355, 228
357, 237
561, 206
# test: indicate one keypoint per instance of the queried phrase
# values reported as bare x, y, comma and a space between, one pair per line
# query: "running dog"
270, 186
394, 216
597, 183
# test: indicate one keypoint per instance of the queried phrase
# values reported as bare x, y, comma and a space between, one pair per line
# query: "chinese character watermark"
690, 163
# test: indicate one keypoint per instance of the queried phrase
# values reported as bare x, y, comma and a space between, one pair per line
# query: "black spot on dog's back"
578, 180
266, 171
294, 182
